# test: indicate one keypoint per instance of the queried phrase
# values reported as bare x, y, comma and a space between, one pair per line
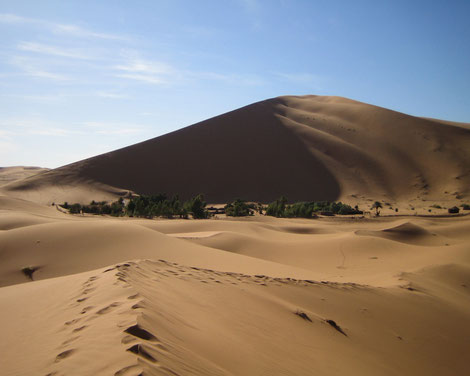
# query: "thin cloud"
150, 72
300, 78
33, 126
14, 19
46, 75
104, 94
143, 78
30, 68
83, 33
52, 50
105, 128
68, 29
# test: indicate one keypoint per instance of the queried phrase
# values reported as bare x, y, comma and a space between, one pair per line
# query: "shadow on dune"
247, 153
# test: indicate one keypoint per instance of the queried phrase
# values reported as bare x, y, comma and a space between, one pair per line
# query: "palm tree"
377, 205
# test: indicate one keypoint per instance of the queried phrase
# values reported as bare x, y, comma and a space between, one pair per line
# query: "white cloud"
31, 68
109, 95
301, 78
14, 19
151, 72
45, 75
68, 29
114, 128
52, 50
143, 77
83, 33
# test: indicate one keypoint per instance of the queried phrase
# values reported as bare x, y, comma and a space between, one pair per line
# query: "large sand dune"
306, 148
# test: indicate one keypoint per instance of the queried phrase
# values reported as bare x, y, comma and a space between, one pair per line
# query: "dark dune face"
246, 153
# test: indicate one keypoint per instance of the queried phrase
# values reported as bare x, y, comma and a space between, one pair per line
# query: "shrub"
453, 210
238, 208
377, 205
466, 207
277, 208
197, 207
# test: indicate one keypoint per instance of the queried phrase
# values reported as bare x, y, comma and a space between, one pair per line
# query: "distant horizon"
82, 78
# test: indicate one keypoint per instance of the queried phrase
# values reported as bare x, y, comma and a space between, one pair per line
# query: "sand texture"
254, 296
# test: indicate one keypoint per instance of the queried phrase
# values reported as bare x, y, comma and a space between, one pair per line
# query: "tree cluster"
239, 208
280, 208
146, 207
115, 208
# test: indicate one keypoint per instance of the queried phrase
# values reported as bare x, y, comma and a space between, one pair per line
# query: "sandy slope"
161, 318
11, 174
252, 296
307, 148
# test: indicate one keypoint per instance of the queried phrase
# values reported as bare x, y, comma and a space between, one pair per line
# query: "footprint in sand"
64, 354
141, 351
139, 332
108, 308
86, 309
132, 369
71, 322
79, 329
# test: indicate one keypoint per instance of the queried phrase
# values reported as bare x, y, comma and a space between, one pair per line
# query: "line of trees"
146, 207
162, 206
281, 209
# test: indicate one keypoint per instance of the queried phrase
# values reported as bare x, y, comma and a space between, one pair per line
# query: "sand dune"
162, 318
261, 295
341, 149
388, 295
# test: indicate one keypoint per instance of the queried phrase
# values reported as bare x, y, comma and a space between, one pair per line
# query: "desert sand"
349, 295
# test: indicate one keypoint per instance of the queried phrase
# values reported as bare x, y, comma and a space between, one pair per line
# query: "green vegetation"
145, 207
466, 207
280, 208
435, 206
377, 205
239, 208
114, 209
453, 210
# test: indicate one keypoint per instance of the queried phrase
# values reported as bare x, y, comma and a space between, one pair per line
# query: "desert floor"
250, 296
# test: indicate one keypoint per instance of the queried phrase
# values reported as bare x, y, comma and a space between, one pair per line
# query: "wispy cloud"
232, 79
114, 128
69, 29
52, 50
83, 33
45, 75
37, 98
151, 72
34, 126
300, 78
111, 95
30, 68
40, 127
14, 19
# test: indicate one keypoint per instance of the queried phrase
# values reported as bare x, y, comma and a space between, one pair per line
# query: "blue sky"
79, 78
